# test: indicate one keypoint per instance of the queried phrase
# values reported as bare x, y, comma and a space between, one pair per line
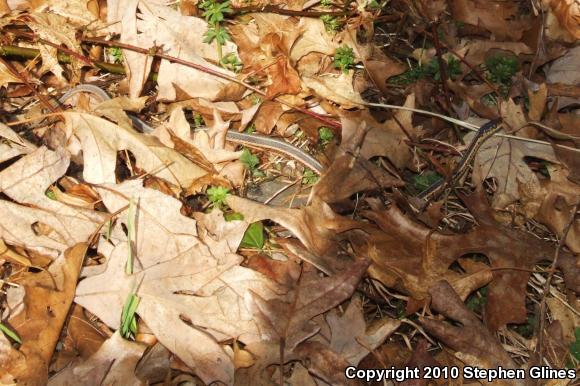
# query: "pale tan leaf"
14, 145
101, 139
113, 364
336, 88
350, 335
157, 24
314, 39
26, 182
503, 159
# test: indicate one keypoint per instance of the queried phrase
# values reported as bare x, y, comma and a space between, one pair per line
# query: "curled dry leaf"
500, 18
560, 196
49, 294
101, 139
503, 160
43, 224
113, 364
568, 14
407, 255
351, 338
13, 145
474, 344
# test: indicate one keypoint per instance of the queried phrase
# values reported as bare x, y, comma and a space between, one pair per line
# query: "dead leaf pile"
140, 244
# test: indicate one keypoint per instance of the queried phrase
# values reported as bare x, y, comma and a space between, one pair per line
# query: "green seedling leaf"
249, 160
421, 182
50, 194
217, 196
309, 177
130, 236
575, 346
331, 23
128, 318
325, 134
9, 333
233, 216
344, 58
254, 236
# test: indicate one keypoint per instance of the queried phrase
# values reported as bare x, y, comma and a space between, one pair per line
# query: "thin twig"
24, 79
155, 52
289, 12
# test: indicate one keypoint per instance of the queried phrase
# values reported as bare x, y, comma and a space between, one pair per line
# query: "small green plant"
50, 193
478, 300
420, 182
344, 58
198, 120
453, 68
331, 23
251, 128
325, 134
250, 161
130, 236
217, 196
575, 347
9, 333
231, 62
501, 69
309, 177
527, 329
214, 14
116, 53
326, 3
430, 70
254, 235
128, 316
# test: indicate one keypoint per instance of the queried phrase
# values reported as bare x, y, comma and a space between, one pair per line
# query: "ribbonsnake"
283, 147
246, 139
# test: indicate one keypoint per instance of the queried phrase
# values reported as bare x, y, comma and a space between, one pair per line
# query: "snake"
252, 140
485, 132
277, 145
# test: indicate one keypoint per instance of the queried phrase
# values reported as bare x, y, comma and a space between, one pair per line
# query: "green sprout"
500, 69
128, 316
331, 23
575, 347
453, 68
250, 161
231, 62
325, 134
217, 196
251, 129
309, 177
198, 120
130, 236
116, 53
430, 70
420, 182
214, 14
344, 58
326, 3
9, 333
254, 235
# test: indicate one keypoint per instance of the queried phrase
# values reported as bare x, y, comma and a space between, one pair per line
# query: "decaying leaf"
49, 294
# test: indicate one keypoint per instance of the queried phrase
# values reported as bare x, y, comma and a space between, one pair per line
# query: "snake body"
483, 134
246, 139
